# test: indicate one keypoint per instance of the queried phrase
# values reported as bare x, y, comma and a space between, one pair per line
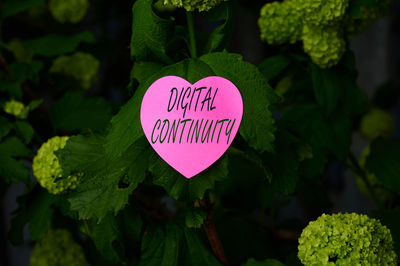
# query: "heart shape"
191, 126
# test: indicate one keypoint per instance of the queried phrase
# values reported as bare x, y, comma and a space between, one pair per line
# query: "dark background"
377, 58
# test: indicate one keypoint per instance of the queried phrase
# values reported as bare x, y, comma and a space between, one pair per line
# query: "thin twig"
211, 231
357, 169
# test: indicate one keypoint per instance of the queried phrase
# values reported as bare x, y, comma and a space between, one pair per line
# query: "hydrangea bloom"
47, 169
57, 248
81, 66
377, 123
279, 23
190, 5
324, 45
71, 11
321, 12
17, 109
346, 239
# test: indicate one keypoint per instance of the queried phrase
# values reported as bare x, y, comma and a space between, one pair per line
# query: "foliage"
71, 85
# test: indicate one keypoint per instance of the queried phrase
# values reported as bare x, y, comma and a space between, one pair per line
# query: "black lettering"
152, 133
162, 129
170, 97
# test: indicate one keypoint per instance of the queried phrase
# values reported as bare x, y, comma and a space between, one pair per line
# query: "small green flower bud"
17, 109
83, 67
280, 23
47, 168
57, 248
191, 5
346, 239
71, 11
325, 46
377, 123
161, 7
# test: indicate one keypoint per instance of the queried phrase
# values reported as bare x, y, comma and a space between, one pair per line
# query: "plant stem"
357, 169
211, 231
192, 36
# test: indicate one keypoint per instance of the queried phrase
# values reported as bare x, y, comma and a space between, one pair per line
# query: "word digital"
191, 126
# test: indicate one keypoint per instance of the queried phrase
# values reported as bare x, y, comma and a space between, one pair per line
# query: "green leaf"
16, 232
341, 131
150, 33
23, 71
52, 45
83, 154
11, 169
327, 87
74, 112
126, 127
273, 66
40, 215
13, 7
35, 104
179, 187
106, 235
284, 168
172, 245
194, 217
24, 130
107, 184
219, 39
5, 127
384, 162
257, 126
198, 254
141, 71
309, 123
161, 247
13, 89
267, 262
353, 100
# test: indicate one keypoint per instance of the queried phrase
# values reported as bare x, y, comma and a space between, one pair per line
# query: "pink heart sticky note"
191, 126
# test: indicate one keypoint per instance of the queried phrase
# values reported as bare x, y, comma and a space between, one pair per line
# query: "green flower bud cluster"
280, 23
47, 168
324, 45
321, 12
57, 248
346, 239
316, 22
191, 5
17, 109
377, 123
71, 11
381, 193
83, 67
